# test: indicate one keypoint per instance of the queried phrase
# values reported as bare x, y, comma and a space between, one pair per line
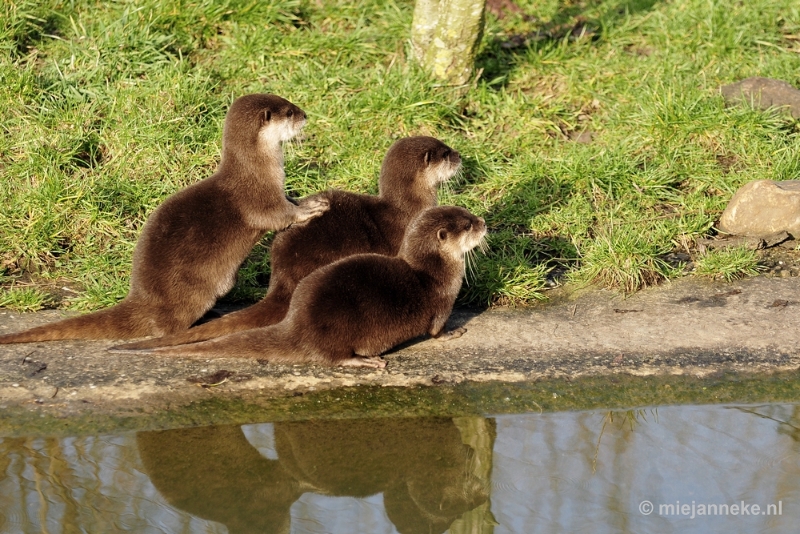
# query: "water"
591, 471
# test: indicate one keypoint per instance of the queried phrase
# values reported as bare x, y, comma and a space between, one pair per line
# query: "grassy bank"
108, 107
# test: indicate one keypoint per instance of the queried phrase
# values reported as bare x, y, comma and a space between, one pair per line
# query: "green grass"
24, 298
728, 264
108, 107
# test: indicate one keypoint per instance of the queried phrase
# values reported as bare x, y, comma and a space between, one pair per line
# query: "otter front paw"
452, 334
310, 208
375, 362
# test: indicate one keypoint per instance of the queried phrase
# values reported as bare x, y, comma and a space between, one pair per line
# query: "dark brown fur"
354, 224
351, 311
192, 244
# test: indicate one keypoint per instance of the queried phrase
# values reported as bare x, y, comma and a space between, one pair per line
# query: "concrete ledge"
689, 327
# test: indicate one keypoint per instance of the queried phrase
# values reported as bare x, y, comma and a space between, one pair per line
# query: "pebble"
764, 93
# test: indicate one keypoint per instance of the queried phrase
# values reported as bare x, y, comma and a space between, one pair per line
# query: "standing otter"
192, 244
410, 174
349, 312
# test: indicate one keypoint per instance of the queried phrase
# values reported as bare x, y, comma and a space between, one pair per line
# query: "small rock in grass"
582, 137
763, 208
763, 93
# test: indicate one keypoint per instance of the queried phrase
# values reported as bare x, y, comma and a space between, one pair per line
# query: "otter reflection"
421, 466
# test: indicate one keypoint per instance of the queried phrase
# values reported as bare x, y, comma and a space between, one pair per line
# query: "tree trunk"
479, 433
445, 36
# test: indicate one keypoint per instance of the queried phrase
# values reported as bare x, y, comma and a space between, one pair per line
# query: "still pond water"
668, 469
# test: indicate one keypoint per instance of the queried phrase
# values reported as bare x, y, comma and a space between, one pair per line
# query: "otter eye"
446, 154
267, 115
290, 113
427, 158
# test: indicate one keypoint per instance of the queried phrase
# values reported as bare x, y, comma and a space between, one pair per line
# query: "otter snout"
299, 118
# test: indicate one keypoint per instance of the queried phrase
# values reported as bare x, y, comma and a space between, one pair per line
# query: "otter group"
352, 275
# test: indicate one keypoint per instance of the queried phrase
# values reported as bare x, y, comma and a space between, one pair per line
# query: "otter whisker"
447, 190
474, 258
483, 245
458, 176
470, 263
292, 146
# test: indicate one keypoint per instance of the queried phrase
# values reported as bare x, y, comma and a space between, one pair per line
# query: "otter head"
445, 231
259, 123
415, 166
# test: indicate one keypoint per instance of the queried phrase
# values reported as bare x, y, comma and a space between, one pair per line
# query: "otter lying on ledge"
351, 311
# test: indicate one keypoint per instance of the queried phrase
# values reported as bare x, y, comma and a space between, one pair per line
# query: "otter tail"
112, 323
268, 311
272, 343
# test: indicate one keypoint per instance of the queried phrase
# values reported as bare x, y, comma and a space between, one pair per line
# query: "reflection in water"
560, 472
93, 484
582, 472
420, 466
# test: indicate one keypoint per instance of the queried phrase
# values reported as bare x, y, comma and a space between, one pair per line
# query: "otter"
192, 244
411, 172
351, 311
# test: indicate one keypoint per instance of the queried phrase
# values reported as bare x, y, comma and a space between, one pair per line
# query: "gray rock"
763, 208
764, 93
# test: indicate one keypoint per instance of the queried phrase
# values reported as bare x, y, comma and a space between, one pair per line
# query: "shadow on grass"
27, 30
519, 264
569, 24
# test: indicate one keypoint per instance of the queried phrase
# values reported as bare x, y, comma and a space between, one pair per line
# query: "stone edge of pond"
613, 392
684, 331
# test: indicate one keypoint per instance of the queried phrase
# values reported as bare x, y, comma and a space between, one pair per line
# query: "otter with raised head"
351, 311
411, 172
192, 244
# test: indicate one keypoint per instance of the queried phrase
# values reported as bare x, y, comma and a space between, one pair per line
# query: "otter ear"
441, 234
267, 115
